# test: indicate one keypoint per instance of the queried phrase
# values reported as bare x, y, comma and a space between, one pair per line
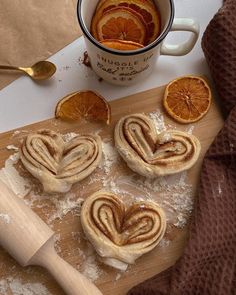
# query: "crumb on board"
12, 147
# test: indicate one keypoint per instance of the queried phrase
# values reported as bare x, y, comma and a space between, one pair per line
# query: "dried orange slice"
121, 44
84, 104
146, 10
123, 24
187, 99
101, 2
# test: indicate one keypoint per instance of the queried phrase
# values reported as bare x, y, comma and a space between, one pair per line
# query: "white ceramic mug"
130, 67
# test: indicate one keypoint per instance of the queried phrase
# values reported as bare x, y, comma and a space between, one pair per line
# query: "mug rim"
120, 52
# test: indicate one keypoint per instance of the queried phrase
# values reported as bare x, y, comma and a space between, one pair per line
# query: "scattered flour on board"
65, 205
158, 120
110, 156
116, 187
118, 276
11, 177
16, 132
5, 218
190, 129
90, 267
164, 243
57, 238
17, 287
172, 193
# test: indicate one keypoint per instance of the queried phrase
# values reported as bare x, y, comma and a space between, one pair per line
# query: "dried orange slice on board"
187, 99
123, 24
121, 44
146, 10
85, 104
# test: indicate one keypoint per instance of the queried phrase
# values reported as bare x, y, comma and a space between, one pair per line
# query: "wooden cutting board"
148, 265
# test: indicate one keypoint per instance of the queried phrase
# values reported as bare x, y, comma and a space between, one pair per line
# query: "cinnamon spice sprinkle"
86, 60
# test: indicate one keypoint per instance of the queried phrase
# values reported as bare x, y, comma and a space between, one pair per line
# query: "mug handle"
182, 24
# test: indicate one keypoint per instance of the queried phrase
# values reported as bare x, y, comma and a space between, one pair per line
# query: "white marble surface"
24, 102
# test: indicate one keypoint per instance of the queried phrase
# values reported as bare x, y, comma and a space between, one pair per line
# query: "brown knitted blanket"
208, 264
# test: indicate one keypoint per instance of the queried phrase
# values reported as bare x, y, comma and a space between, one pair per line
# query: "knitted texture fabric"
219, 46
208, 264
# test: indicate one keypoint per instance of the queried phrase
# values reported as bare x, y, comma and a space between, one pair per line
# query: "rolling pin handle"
72, 282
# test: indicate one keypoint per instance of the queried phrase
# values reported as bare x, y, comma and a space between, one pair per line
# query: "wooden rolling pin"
30, 241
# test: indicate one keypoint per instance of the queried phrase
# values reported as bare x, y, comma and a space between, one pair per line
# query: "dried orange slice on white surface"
187, 99
85, 104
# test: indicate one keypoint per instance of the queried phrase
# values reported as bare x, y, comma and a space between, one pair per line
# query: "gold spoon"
42, 70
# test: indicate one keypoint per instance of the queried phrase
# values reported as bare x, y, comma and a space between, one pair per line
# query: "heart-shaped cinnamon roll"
151, 154
121, 235
58, 164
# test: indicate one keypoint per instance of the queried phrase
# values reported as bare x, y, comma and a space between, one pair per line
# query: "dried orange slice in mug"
123, 24
146, 10
187, 99
85, 104
121, 44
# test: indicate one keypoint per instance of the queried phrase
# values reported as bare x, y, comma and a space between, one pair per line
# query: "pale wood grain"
151, 263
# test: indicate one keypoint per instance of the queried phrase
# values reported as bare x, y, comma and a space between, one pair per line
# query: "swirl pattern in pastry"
151, 154
58, 164
120, 235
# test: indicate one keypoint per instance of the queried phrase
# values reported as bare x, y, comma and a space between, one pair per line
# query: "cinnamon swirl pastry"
151, 154
120, 235
57, 164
